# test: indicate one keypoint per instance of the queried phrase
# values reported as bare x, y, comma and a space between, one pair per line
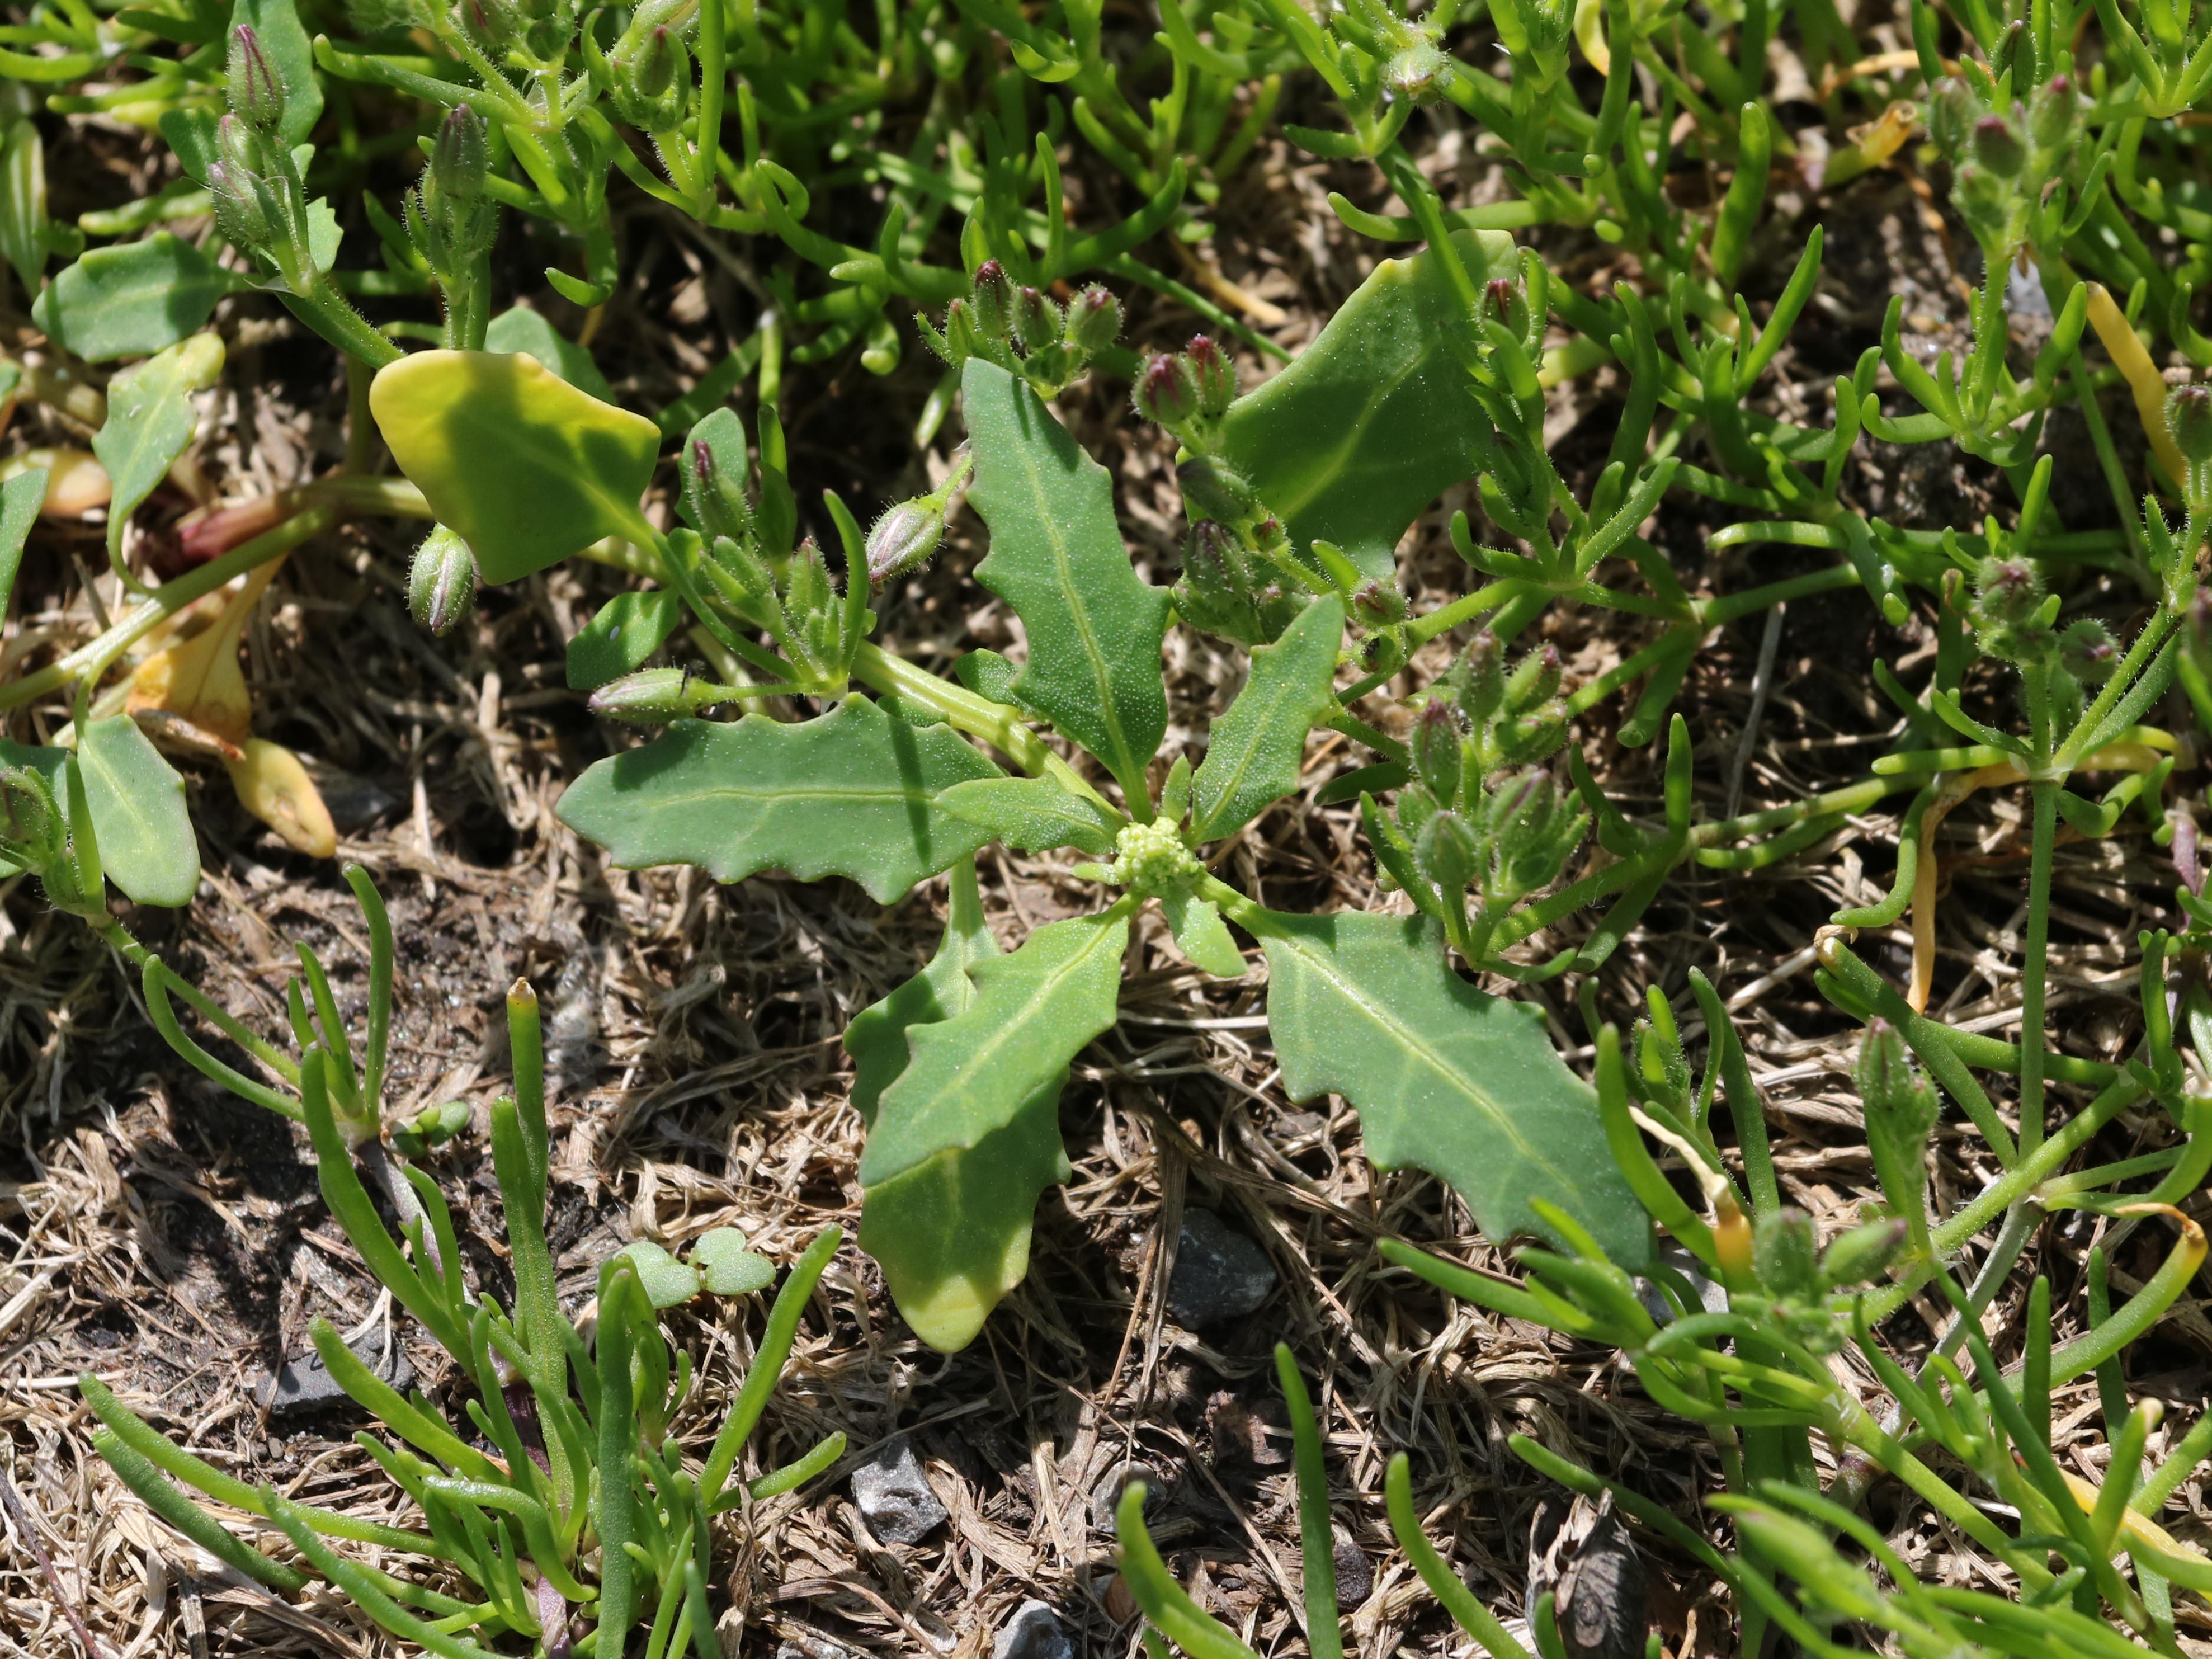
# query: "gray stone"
1355, 1573
1714, 1296
895, 1496
1033, 1633
1218, 1274
303, 1385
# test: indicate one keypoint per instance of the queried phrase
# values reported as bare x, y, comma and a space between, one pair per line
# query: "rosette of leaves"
566, 1514
908, 774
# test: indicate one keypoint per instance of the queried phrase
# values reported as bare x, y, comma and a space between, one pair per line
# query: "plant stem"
2033, 969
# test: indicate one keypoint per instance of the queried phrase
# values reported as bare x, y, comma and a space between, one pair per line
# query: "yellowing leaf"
524, 467
198, 681
276, 788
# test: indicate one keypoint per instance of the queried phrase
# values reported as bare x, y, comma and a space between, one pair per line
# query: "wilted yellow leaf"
276, 788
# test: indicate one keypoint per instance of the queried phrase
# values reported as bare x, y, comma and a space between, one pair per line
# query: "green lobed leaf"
284, 42
1257, 748
621, 635
726, 1267
1095, 627
852, 793
138, 815
21, 497
966, 1136
133, 299
520, 329
1351, 441
876, 1037
667, 1282
1445, 1078
526, 468
1032, 815
1201, 935
23, 204
150, 419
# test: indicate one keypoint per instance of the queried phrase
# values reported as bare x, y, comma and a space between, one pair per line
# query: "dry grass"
171, 1242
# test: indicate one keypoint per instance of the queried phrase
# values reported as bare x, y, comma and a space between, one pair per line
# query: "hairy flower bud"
441, 587
1863, 1254
1535, 680
991, 300
1482, 678
653, 695
1166, 393
1449, 851
1435, 749
1378, 605
1213, 489
1094, 320
2051, 114
2087, 651
2188, 422
248, 207
2007, 592
1214, 376
1784, 1244
1900, 1107
1417, 74
905, 538
460, 158
1037, 321
1952, 110
255, 92
716, 499
1998, 147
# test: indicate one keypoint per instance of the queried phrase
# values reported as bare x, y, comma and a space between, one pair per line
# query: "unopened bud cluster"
260, 204
1025, 330
449, 218
1188, 392
2017, 621
2003, 157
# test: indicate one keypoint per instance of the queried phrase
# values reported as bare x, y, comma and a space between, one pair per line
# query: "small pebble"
895, 1496
1355, 1574
303, 1385
1218, 1274
1033, 1633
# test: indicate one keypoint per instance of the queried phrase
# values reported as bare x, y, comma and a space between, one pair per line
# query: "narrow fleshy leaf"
1258, 747
852, 793
133, 299
1445, 1078
524, 467
1095, 627
138, 802
23, 204
1370, 424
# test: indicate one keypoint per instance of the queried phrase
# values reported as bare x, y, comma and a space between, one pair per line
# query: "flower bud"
1166, 393
1784, 1244
651, 697
1863, 1254
248, 210
1037, 321
1094, 321
1535, 680
1213, 489
1378, 605
2189, 420
2005, 56
1482, 678
1436, 748
1951, 113
1214, 376
441, 587
905, 538
2087, 651
2051, 114
460, 159
496, 24
30, 819
1417, 74
1984, 200
255, 92
992, 301
1899, 1108
1449, 851
717, 499
1998, 147
2007, 592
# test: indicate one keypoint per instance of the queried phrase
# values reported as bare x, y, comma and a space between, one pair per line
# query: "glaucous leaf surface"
1444, 1077
526, 468
1095, 627
133, 299
1257, 750
1369, 425
852, 793
965, 1136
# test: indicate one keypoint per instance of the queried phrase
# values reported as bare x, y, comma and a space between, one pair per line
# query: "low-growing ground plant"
568, 1515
